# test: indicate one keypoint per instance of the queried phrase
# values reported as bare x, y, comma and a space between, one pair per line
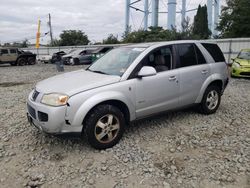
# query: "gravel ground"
178, 149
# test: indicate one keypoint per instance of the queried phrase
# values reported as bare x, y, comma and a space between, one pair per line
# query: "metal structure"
213, 6
216, 16
209, 13
171, 14
155, 10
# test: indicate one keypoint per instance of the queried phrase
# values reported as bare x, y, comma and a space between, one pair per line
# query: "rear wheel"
211, 100
13, 64
21, 61
104, 127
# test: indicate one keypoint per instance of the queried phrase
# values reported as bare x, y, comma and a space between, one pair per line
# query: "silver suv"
126, 84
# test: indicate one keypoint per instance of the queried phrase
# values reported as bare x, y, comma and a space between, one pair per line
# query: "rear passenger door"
193, 70
4, 55
13, 55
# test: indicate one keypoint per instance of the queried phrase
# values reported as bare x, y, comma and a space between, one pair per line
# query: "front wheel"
104, 126
211, 100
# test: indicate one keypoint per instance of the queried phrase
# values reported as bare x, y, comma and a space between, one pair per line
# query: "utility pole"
50, 30
127, 14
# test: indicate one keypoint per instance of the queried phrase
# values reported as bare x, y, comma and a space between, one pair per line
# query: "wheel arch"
114, 102
112, 98
213, 80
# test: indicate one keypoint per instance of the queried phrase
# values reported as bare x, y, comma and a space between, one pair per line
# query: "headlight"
236, 65
55, 99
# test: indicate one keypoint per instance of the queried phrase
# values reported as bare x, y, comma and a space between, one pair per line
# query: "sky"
97, 18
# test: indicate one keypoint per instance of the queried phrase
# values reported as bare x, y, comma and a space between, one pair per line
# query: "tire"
21, 61
13, 64
31, 61
104, 126
211, 100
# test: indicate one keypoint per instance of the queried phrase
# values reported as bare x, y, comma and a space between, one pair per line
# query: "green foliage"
55, 42
235, 19
73, 37
111, 39
200, 26
155, 34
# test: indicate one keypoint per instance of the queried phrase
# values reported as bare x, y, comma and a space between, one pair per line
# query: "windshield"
244, 55
116, 61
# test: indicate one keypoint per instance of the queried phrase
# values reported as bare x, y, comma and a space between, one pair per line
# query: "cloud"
97, 18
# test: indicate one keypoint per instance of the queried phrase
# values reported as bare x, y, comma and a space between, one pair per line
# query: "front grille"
35, 95
245, 73
31, 111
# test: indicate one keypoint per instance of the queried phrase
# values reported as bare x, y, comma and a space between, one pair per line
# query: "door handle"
172, 78
204, 71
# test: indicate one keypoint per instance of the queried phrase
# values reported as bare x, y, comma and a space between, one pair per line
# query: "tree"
55, 42
200, 25
235, 19
24, 44
154, 34
73, 37
111, 39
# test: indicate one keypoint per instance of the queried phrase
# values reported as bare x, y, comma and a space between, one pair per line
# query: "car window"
161, 59
244, 55
199, 56
4, 51
12, 51
214, 51
187, 55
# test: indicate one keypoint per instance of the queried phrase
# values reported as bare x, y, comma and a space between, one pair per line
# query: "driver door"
160, 92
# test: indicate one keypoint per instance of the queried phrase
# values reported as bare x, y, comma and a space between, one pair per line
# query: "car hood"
75, 82
243, 62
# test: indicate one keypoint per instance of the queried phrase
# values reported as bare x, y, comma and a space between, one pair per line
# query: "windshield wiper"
97, 71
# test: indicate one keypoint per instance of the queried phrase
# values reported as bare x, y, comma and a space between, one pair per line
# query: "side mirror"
146, 71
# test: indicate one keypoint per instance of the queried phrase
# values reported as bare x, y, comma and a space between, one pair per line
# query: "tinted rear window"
214, 51
200, 57
187, 55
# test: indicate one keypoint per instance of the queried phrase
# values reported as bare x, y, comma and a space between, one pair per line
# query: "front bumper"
241, 72
47, 118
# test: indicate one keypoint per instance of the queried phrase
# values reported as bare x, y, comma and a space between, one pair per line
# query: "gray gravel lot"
178, 149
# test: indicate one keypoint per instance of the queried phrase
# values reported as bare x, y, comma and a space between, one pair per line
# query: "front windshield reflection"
116, 61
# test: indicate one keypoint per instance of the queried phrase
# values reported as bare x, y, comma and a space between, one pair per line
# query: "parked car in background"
14, 56
45, 58
96, 54
126, 84
49, 58
55, 56
78, 56
241, 64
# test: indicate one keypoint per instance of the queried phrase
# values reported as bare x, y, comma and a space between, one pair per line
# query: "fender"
99, 98
209, 80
